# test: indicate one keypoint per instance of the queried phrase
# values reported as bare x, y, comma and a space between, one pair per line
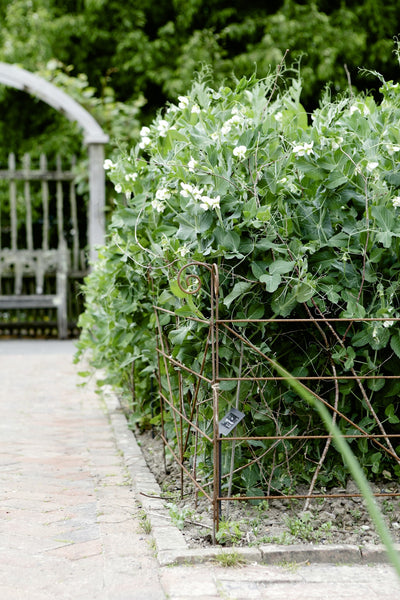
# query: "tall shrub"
300, 213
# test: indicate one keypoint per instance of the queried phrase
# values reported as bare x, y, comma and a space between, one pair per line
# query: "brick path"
69, 510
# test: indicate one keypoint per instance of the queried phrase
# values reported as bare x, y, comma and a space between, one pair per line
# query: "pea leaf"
272, 282
390, 413
239, 289
335, 180
283, 302
304, 291
176, 290
395, 344
178, 336
281, 266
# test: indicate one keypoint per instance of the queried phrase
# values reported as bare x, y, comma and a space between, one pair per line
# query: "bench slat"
29, 301
22, 263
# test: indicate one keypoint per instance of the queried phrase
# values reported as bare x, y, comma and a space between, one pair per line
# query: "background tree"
154, 49
124, 60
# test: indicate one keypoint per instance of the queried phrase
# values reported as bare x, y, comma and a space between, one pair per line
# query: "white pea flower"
108, 164
208, 203
388, 323
131, 176
186, 189
191, 164
197, 193
163, 127
392, 148
157, 205
183, 101
215, 136
323, 141
371, 166
144, 132
163, 194
196, 110
304, 149
182, 251
145, 141
278, 117
396, 202
240, 152
337, 143
236, 119
118, 188
225, 129
164, 242
190, 190
288, 184
128, 195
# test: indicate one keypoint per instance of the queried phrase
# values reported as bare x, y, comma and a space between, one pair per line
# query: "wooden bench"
37, 264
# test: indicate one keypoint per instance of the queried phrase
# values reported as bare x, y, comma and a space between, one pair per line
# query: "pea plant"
301, 214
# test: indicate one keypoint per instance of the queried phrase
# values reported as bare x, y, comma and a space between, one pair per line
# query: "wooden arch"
94, 138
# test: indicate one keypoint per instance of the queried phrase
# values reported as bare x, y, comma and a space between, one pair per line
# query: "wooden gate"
43, 236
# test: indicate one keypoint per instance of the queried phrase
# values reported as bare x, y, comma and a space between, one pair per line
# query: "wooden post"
28, 204
74, 222
45, 203
60, 200
13, 201
96, 217
62, 274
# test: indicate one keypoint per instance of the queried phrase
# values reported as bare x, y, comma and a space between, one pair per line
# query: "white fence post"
96, 217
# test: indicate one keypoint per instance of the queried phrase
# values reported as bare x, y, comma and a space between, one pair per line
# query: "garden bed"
326, 521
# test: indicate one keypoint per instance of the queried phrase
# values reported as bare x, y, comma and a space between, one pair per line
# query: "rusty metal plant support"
188, 418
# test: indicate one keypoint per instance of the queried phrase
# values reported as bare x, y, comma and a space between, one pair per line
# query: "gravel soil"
325, 521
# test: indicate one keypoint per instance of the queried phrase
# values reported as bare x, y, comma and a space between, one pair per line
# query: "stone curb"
170, 542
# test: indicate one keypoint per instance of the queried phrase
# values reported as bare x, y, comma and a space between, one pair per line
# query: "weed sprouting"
304, 528
229, 559
229, 532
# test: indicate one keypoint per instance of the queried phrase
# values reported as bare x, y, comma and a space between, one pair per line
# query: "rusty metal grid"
182, 418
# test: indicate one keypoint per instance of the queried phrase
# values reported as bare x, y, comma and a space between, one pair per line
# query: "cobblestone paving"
70, 516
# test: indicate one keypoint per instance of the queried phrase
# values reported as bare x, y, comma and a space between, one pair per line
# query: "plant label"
229, 422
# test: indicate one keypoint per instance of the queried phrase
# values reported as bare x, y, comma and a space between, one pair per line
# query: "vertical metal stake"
217, 460
220, 478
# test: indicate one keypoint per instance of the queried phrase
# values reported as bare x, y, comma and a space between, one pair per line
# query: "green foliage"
229, 559
229, 533
300, 214
352, 463
144, 522
154, 49
304, 528
179, 514
122, 61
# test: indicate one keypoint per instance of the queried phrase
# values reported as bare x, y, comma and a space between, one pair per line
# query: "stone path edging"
170, 543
